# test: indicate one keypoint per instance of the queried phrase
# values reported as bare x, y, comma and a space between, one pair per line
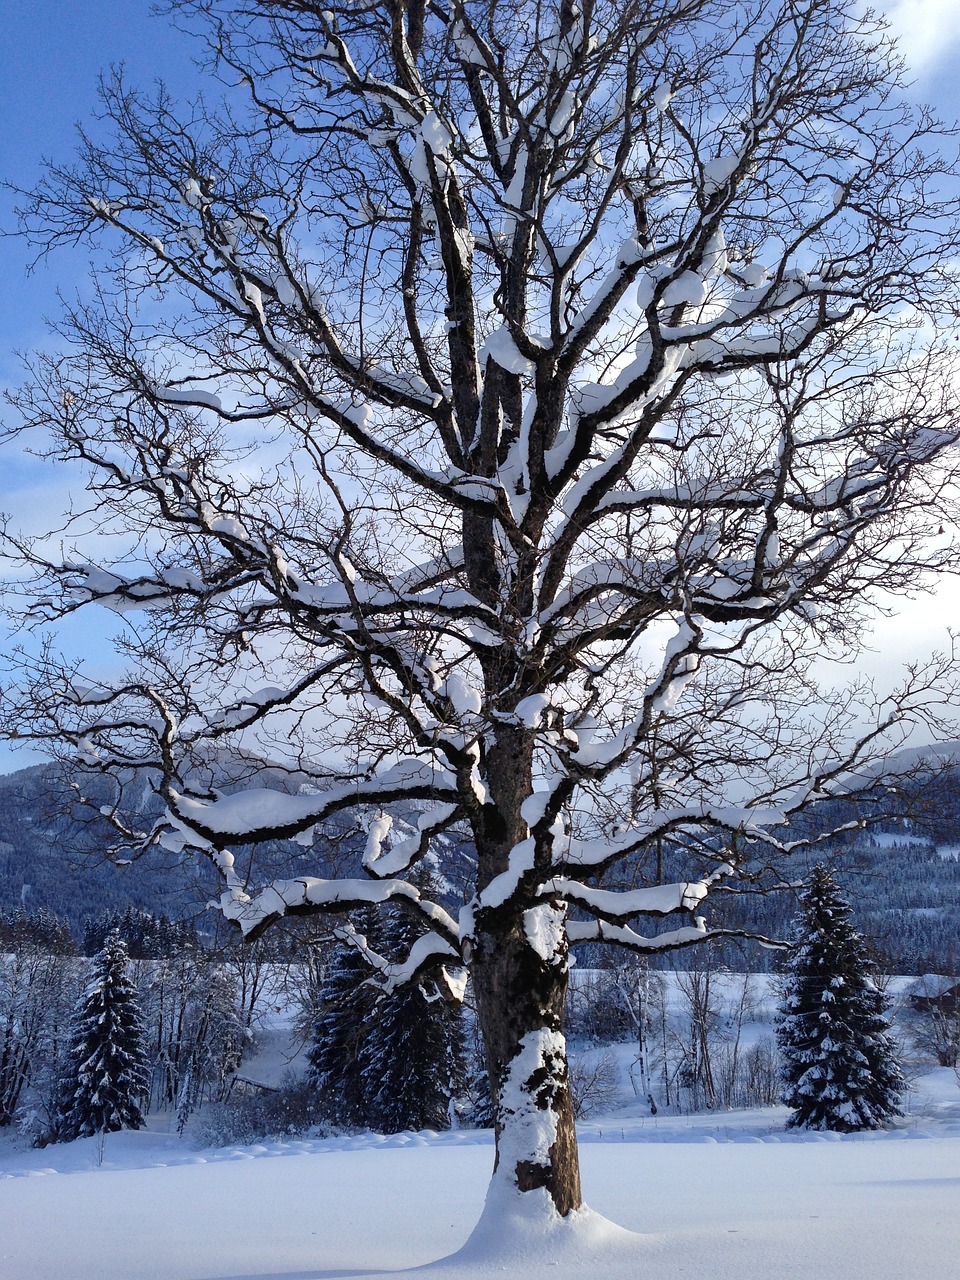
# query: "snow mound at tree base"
523, 1235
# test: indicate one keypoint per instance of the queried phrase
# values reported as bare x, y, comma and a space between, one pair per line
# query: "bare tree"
934, 1021
698, 1037
499, 409
37, 989
643, 999
594, 1081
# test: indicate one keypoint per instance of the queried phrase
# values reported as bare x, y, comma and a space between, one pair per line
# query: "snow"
501, 887
753, 274
664, 1192
535, 806
465, 696
377, 832
529, 710
501, 347
513, 196
506, 1240
260, 808
718, 171
530, 1127
680, 665
688, 287
731, 1188
563, 116
282, 895
192, 195
396, 860
544, 929
435, 134
467, 48
621, 903
423, 950
189, 395
358, 414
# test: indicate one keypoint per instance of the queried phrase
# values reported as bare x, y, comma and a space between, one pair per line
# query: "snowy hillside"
904, 886
727, 1189
730, 1196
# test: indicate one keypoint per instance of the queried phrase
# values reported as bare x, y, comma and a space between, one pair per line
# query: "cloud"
927, 30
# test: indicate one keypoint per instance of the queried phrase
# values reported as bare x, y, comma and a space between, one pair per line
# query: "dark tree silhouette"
414, 1059
498, 410
841, 1068
341, 1025
106, 1077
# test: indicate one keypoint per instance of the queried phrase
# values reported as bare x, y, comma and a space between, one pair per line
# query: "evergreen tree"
414, 1058
342, 1022
482, 1111
106, 1075
840, 1065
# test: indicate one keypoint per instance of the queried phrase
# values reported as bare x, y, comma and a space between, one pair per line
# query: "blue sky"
54, 50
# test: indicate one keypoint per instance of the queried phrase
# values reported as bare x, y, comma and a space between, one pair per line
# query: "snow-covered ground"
726, 1196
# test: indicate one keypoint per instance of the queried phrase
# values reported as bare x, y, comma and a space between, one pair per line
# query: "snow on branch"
691, 936
622, 935
262, 814
308, 894
426, 956
617, 905
749, 822
405, 852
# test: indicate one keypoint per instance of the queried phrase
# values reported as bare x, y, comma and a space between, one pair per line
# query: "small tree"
840, 1062
414, 1059
106, 1075
214, 1037
36, 991
698, 1037
481, 1113
935, 1023
343, 1020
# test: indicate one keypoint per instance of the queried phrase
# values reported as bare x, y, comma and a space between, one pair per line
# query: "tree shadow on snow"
337, 1273
910, 1182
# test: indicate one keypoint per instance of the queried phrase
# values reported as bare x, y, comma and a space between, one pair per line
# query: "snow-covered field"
724, 1196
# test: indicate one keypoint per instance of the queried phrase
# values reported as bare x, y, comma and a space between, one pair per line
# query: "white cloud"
927, 30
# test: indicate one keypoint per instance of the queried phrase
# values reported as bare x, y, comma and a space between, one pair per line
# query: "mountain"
902, 876
52, 857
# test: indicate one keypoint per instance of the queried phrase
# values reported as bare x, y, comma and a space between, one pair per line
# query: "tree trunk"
520, 967
520, 987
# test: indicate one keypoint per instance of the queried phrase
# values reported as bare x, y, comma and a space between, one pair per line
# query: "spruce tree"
481, 1113
840, 1066
414, 1059
106, 1075
345, 1004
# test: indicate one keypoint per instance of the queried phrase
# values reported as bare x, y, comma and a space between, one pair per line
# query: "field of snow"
729, 1196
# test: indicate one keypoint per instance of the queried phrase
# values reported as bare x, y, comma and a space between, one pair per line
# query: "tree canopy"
497, 407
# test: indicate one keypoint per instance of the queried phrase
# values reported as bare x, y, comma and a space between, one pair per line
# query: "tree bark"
520, 966
520, 997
